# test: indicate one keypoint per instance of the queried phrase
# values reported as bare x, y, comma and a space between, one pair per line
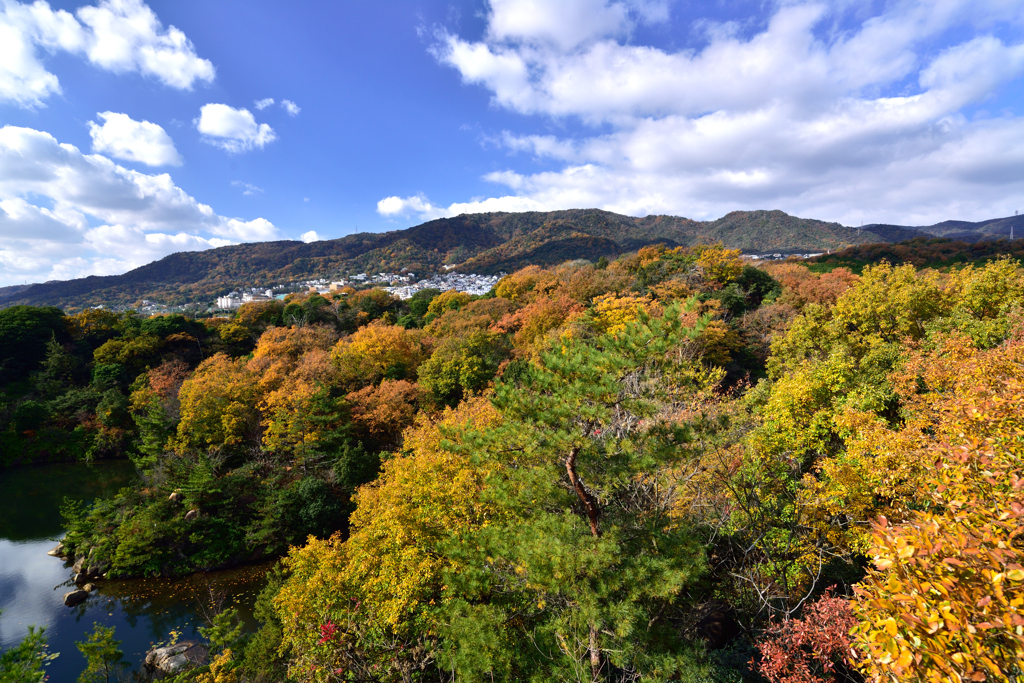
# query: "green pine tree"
590, 580
103, 656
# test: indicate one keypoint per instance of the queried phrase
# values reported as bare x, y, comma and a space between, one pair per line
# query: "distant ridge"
484, 243
964, 231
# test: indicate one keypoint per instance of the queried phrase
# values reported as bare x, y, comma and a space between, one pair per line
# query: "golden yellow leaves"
612, 313
221, 670
389, 566
447, 301
218, 405
720, 265
945, 601
952, 579
380, 350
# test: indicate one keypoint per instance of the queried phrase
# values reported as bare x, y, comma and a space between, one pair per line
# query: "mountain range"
485, 243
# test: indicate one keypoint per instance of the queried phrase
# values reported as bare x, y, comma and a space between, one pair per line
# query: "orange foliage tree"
382, 412
473, 317
531, 323
800, 286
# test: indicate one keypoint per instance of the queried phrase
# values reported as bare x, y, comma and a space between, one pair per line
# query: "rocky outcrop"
97, 570
173, 659
75, 597
88, 567
58, 551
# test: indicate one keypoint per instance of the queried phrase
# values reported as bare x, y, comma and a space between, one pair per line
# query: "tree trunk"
595, 656
593, 516
588, 500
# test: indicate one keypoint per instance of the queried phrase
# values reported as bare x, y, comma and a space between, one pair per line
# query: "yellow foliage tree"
294, 419
518, 285
719, 265
279, 350
378, 351
613, 313
221, 670
133, 353
218, 406
381, 585
451, 300
944, 600
93, 322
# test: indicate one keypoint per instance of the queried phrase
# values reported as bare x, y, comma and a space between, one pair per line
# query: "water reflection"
30, 497
32, 584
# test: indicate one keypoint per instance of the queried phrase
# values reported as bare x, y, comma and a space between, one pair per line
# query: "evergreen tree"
103, 656
24, 662
598, 563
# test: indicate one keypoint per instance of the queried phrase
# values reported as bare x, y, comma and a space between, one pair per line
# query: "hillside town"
401, 286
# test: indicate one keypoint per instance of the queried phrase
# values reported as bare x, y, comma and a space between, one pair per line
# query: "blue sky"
130, 130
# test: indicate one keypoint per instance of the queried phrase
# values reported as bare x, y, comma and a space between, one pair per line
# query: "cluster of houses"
402, 286
779, 256
460, 282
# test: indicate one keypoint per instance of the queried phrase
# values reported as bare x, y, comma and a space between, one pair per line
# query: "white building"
229, 302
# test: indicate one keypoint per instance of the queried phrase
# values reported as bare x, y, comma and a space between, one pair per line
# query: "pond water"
32, 584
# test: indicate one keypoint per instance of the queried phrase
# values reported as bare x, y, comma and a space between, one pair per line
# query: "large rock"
173, 659
176, 497
58, 551
191, 515
89, 587
75, 597
97, 570
80, 578
79, 565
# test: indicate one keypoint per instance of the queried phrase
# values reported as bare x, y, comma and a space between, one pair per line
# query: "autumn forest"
675, 466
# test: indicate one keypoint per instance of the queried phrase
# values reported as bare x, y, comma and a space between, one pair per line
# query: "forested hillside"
481, 243
671, 467
935, 252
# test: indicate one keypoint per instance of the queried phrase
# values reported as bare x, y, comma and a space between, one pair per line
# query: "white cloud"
827, 111
127, 36
234, 130
310, 236
568, 23
398, 206
117, 35
248, 189
611, 80
23, 28
122, 137
64, 213
256, 230
24, 221
289, 106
